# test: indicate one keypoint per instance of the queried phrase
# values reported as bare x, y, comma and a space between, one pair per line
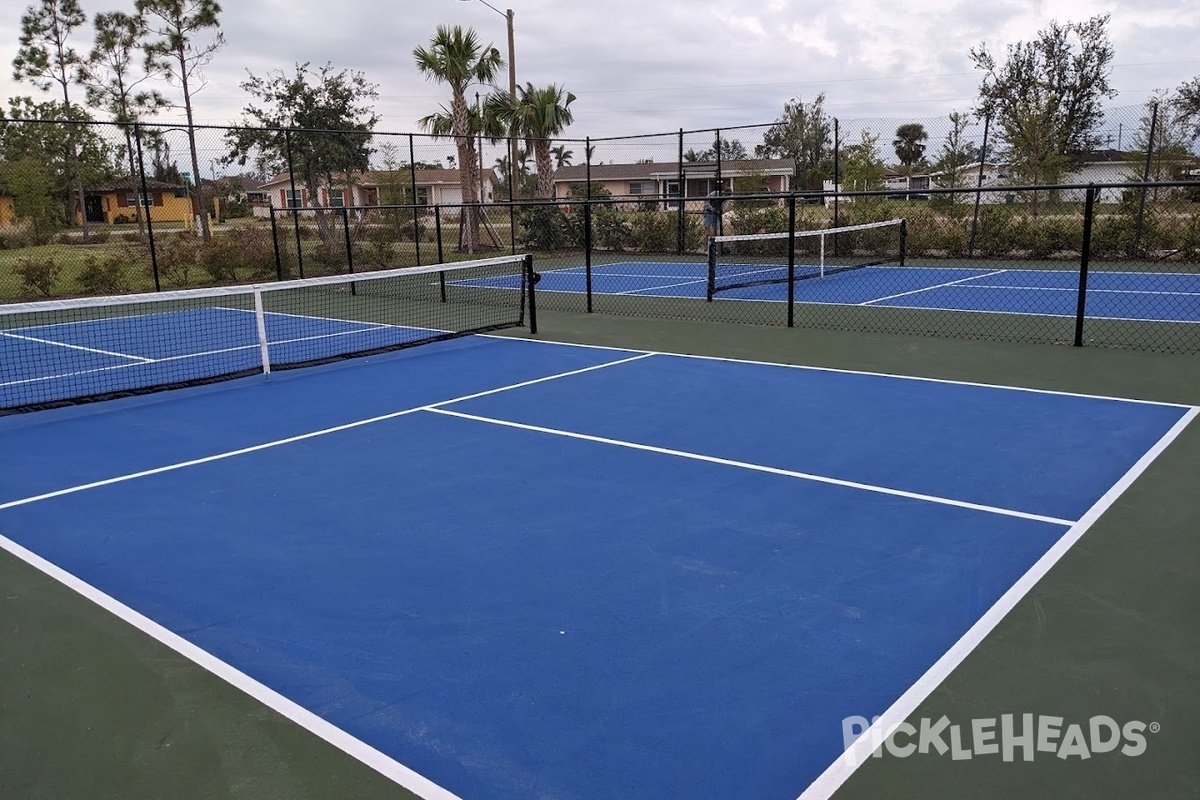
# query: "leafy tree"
730, 149
325, 118
31, 185
804, 133
1170, 153
1046, 97
537, 115
1187, 102
177, 54
909, 144
71, 153
861, 167
956, 153
562, 156
455, 57
46, 60
111, 80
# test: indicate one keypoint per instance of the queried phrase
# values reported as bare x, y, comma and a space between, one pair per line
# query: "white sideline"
860, 751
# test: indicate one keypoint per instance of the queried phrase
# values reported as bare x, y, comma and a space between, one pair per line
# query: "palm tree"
909, 144
562, 156
538, 115
455, 57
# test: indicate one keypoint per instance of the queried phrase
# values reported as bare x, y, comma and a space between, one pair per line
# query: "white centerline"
96, 350
755, 467
304, 436
665, 286
937, 286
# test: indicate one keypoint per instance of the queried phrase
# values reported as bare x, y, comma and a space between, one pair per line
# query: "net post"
1084, 261
260, 321
587, 251
712, 269
791, 282
903, 239
530, 280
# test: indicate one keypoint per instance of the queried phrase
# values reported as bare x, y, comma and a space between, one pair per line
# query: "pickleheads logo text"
1008, 737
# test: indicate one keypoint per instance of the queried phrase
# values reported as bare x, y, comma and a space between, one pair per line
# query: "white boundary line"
310, 435
656, 288
68, 346
807, 476
931, 288
1091, 290
381, 763
860, 751
841, 371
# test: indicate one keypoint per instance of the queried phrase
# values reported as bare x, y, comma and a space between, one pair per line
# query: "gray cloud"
640, 66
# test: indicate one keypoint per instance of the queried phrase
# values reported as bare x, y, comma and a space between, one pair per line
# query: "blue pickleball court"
521, 569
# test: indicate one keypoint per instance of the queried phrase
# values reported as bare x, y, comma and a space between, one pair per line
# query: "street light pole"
512, 91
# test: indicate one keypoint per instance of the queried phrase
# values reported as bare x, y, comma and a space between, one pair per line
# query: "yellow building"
116, 203
8, 213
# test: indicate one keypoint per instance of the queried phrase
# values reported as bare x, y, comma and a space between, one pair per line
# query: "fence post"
1084, 260
587, 251
1141, 215
681, 222
137, 135
437, 230
978, 187
412, 165
287, 144
587, 157
791, 282
275, 244
837, 174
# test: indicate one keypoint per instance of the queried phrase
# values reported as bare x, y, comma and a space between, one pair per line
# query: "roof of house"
649, 171
129, 184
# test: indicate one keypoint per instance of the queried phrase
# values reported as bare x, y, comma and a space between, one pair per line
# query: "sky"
650, 66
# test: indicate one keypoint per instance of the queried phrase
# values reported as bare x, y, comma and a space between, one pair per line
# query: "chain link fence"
1102, 251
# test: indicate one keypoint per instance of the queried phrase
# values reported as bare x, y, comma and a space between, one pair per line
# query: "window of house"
293, 198
337, 198
671, 189
134, 198
641, 187
422, 195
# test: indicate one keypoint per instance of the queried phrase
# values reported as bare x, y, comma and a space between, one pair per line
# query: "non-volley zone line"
310, 435
440, 408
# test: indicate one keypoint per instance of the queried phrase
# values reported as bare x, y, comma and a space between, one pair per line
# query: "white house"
440, 187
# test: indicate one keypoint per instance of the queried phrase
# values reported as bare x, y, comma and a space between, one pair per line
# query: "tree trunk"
545, 168
467, 164
198, 207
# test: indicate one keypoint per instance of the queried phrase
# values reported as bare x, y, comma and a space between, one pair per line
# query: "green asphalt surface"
92, 709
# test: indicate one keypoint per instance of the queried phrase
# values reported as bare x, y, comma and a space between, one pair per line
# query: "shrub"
237, 253
38, 275
654, 231
544, 228
105, 277
610, 229
177, 255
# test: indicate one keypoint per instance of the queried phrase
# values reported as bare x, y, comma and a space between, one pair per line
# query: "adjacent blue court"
47, 363
520, 569
1145, 296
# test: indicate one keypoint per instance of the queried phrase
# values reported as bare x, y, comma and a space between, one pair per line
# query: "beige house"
434, 187
662, 182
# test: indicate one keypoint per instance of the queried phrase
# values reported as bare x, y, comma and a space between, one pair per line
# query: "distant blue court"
1142, 296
